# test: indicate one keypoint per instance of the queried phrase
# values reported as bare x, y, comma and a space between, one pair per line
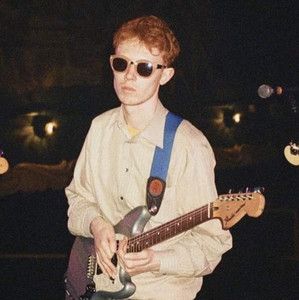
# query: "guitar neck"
170, 229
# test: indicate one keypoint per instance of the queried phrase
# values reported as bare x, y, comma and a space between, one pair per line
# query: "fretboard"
169, 229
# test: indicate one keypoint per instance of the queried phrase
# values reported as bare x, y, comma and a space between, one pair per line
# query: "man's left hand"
138, 262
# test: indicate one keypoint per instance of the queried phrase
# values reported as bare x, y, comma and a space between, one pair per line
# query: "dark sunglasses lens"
145, 69
119, 64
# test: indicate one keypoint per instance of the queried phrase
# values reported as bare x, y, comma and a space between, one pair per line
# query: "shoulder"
107, 118
101, 124
193, 142
191, 135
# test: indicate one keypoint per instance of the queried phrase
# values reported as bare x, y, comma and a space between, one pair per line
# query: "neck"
170, 229
138, 116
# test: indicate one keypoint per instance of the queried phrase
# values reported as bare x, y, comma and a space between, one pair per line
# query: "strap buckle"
154, 194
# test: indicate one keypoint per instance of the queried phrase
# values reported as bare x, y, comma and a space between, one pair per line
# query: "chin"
131, 101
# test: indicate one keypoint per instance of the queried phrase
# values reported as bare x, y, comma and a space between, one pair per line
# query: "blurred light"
32, 114
228, 118
251, 108
237, 117
50, 128
43, 125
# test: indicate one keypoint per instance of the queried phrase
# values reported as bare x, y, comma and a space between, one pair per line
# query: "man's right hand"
105, 245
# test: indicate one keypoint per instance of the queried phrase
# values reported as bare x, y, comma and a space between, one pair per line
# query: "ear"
167, 74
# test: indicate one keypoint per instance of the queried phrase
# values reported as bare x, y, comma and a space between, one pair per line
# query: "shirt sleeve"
200, 249
82, 204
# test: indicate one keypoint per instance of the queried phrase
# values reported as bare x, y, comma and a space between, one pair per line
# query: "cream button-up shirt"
110, 180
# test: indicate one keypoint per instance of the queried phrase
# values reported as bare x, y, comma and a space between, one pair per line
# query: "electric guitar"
228, 208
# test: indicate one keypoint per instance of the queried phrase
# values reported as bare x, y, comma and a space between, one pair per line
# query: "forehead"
136, 50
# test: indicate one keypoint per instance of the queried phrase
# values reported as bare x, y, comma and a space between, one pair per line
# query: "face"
130, 87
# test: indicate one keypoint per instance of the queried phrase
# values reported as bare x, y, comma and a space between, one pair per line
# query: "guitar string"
141, 241
146, 239
183, 218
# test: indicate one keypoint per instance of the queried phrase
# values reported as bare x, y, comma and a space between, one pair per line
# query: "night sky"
229, 48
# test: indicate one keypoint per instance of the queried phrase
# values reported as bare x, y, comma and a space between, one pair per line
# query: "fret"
168, 230
167, 233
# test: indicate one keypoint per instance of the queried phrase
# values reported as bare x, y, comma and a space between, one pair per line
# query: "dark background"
54, 65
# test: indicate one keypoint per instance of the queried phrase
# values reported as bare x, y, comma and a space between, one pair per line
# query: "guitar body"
76, 279
83, 249
122, 287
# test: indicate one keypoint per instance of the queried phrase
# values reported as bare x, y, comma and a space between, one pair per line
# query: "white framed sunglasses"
144, 68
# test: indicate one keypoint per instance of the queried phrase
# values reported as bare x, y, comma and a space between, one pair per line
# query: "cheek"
116, 83
150, 84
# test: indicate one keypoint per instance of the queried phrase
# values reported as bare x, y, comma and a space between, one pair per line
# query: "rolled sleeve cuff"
168, 262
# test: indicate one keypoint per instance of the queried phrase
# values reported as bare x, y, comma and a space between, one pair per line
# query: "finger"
107, 247
143, 255
122, 246
107, 268
121, 262
112, 245
106, 261
104, 257
122, 249
120, 254
102, 266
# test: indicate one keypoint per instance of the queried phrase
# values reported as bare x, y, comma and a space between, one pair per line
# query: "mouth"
128, 89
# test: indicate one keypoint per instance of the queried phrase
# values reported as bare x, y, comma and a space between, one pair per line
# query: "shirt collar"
154, 131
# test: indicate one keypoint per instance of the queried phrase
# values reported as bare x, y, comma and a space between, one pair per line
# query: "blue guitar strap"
157, 181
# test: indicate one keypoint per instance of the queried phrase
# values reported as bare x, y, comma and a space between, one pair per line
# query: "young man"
112, 170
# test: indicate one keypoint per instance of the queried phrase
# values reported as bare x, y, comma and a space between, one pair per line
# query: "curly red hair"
153, 33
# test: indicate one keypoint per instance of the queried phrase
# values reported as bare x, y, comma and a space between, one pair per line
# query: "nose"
130, 72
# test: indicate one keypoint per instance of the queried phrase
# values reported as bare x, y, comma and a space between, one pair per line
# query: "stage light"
43, 125
237, 117
50, 128
228, 118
